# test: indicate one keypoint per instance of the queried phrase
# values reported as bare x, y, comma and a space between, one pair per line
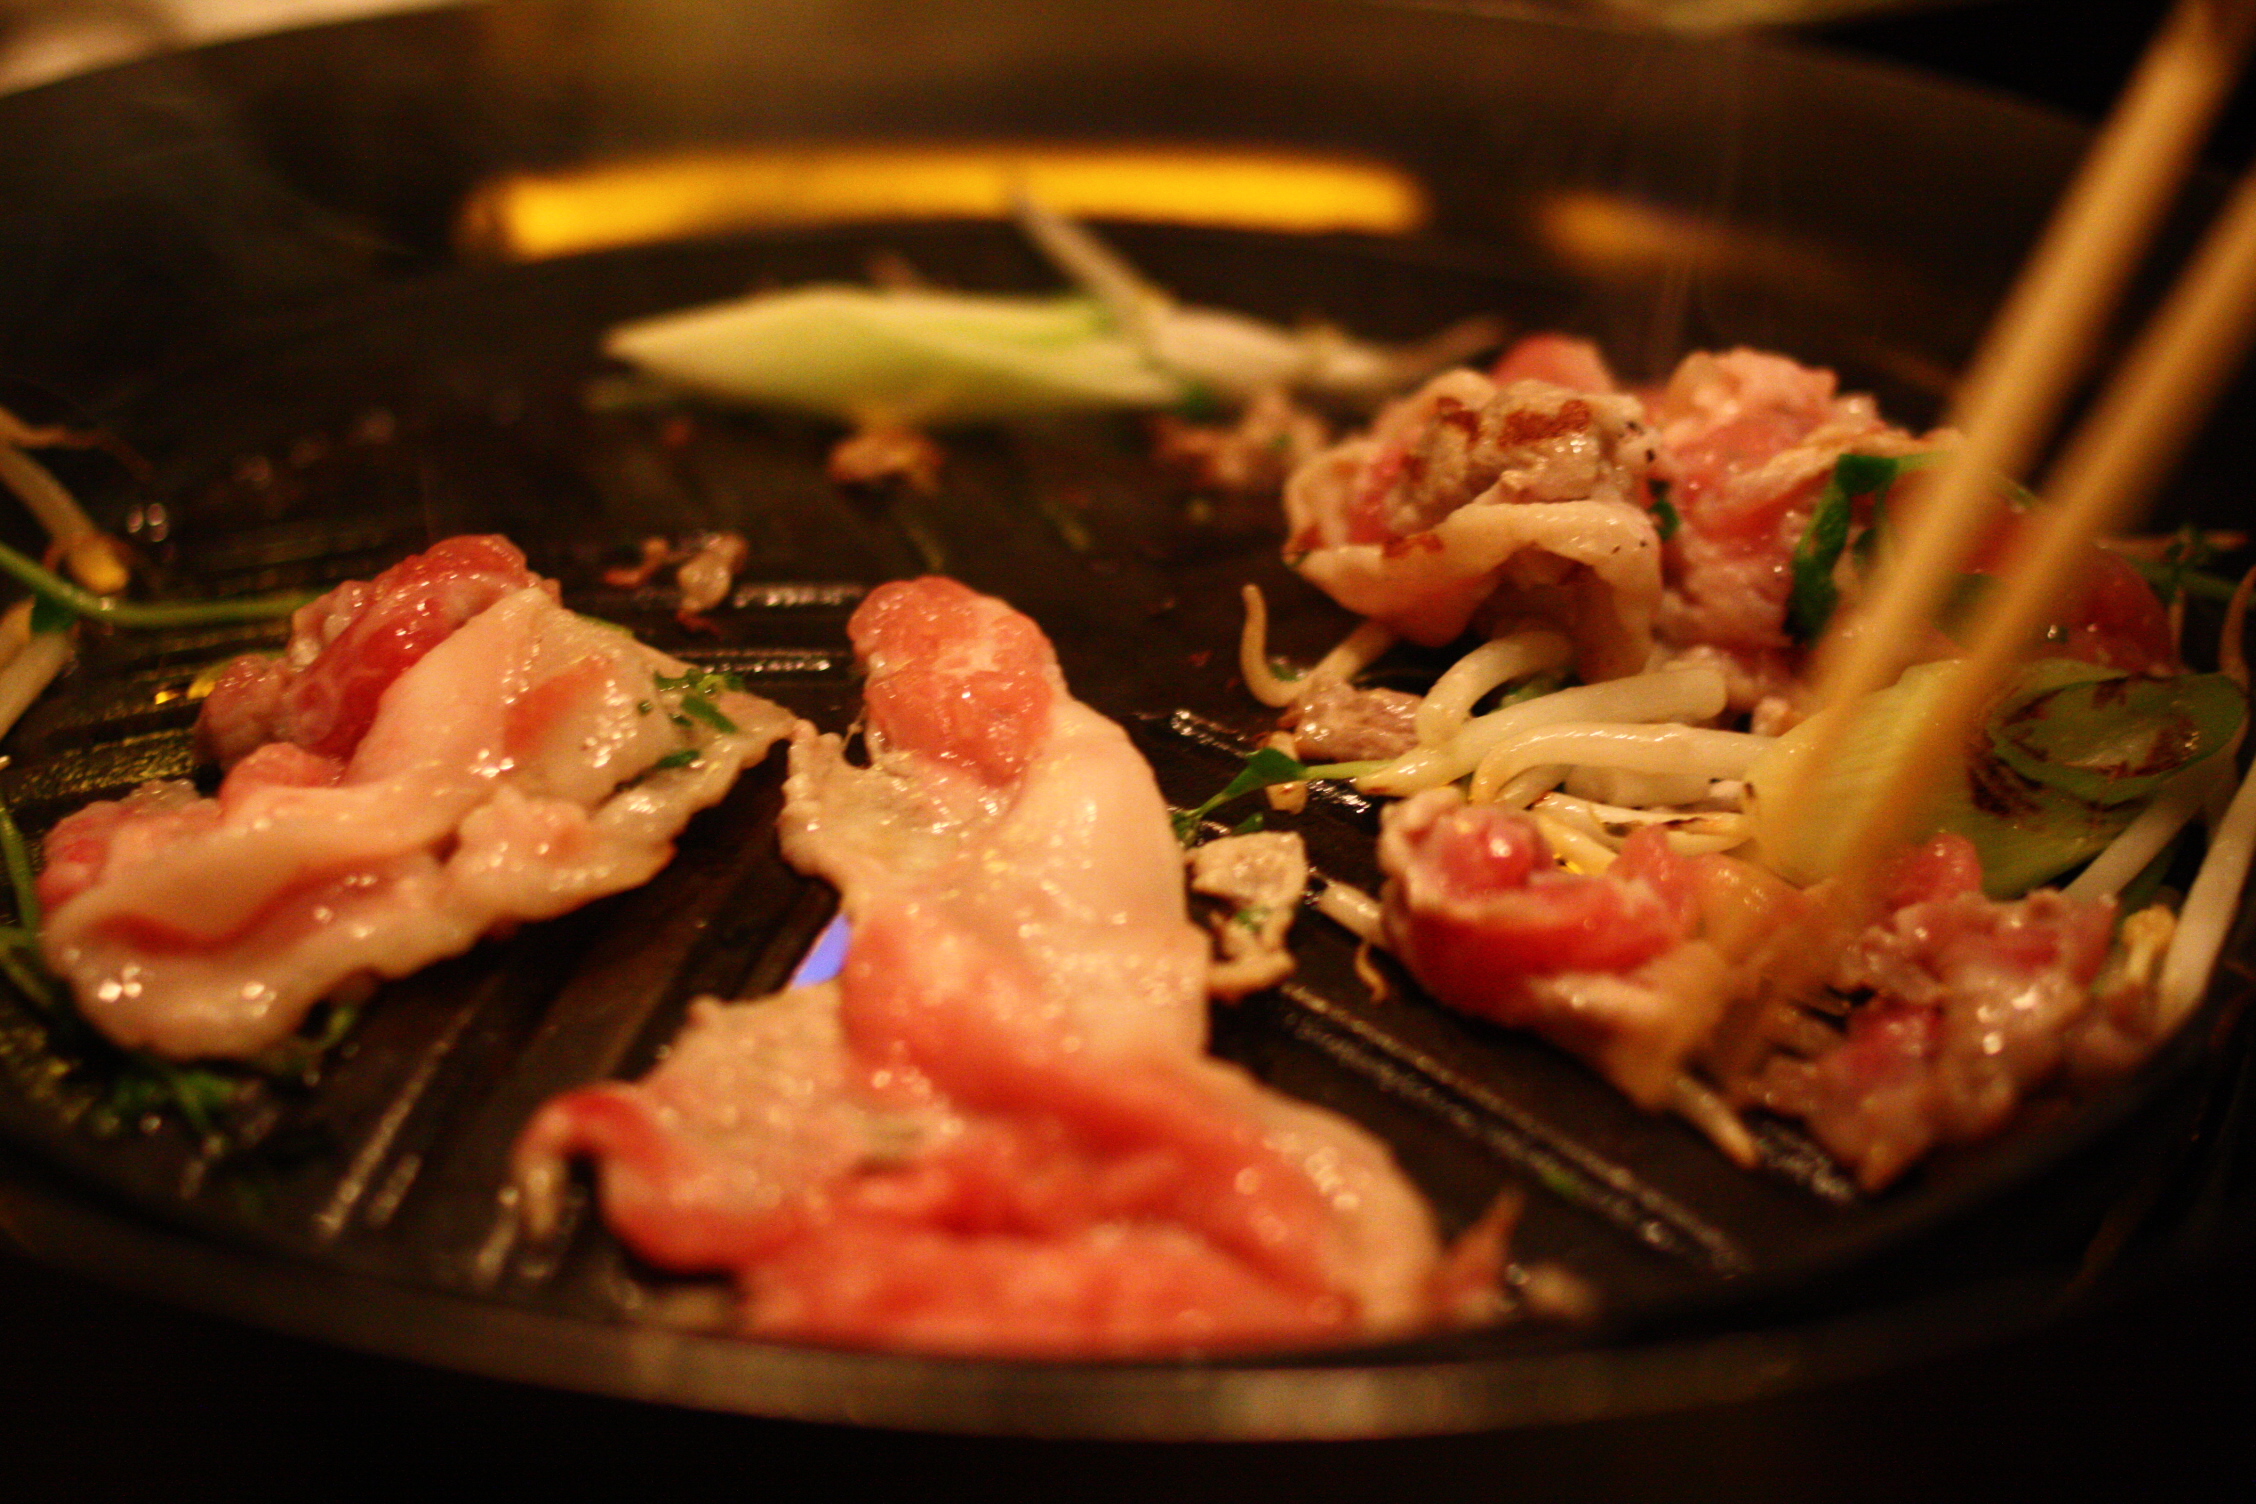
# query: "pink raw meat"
507, 768
996, 1131
1607, 966
1473, 502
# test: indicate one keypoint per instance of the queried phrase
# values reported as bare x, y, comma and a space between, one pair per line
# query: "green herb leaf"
697, 707
2170, 580
1665, 519
682, 759
694, 691
1810, 605
1262, 769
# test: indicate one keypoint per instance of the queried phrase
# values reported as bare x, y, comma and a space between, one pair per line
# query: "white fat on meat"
511, 773
1470, 499
996, 1131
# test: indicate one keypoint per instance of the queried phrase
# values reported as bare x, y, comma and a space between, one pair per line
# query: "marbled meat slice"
449, 753
1608, 966
1473, 500
996, 1131
1970, 1004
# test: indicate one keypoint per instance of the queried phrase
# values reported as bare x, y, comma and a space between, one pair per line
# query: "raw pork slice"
1974, 1004
1607, 966
1746, 443
996, 1131
1470, 499
441, 753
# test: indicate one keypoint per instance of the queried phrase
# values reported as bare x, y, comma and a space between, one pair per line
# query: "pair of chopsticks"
2012, 397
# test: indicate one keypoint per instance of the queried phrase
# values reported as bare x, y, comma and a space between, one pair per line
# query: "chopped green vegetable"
61, 595
1665, 519
2146, 886
698, 708
1855, 477
1200, 404
703, 681
916, 358
2066, 757
2105, 738
2194, 583
150, 1084
694, 691
1264, 769
1962, 600
2178, 572
20, 960
1866, 548
686, 757
20, 964
1534, 687
1810, 605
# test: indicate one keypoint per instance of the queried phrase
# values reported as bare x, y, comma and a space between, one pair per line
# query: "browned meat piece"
1335, 722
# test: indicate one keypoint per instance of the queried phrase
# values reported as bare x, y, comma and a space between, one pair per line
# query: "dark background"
2149, 1394
2071, 54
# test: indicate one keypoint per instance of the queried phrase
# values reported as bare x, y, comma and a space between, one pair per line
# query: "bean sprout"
1356, 652
1683, 694
1644, 749
2207, 917
1264, 682
1449, 704
1351, 909
1577, 848
2155, 828
1698, 1104
1690, 832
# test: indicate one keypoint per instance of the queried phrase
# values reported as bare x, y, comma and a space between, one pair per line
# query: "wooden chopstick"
2019, 380
2140, 423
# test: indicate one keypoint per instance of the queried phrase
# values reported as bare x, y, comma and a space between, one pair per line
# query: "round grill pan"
245, 263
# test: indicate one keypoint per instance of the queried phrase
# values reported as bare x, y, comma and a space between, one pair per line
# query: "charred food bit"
1260, 878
